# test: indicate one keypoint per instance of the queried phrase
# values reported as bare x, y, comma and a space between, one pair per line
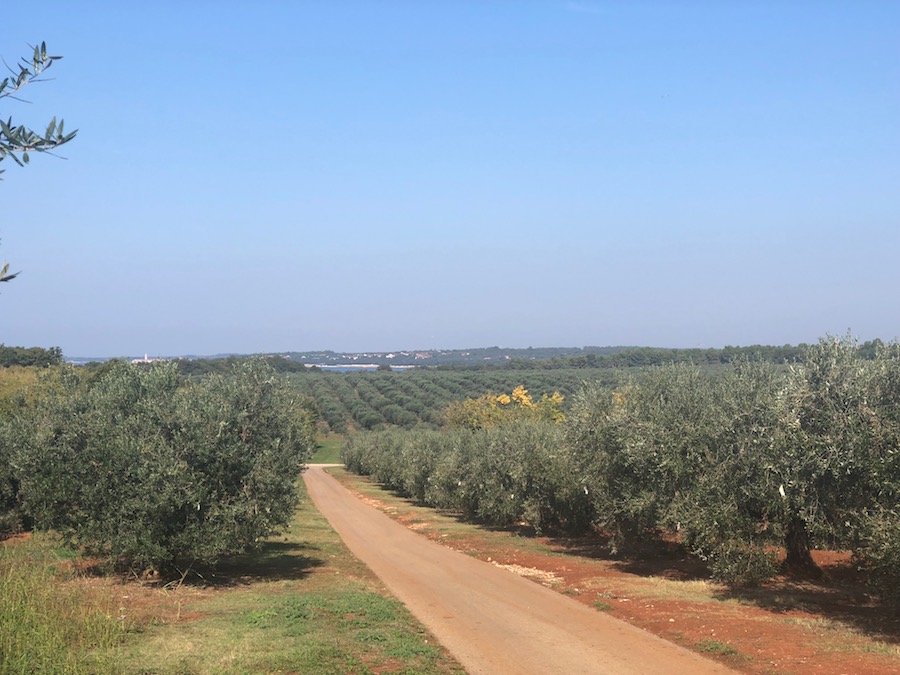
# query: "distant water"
348, 369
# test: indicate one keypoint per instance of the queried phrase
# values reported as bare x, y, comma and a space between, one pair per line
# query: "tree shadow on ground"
457, 515
650, 558
272, 561
842, 596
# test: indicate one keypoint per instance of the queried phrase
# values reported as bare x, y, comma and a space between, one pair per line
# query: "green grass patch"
328, 450
716, 647
48, 623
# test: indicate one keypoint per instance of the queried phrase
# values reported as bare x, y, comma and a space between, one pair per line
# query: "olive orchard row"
372, 400
734, 463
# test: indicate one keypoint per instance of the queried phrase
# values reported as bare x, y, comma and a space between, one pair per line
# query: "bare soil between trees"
789, 626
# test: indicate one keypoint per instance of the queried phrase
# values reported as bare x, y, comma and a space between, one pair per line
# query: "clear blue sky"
267, 176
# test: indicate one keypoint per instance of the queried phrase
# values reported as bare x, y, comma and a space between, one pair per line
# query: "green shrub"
619, 472
154, 472
10, 516
742, 564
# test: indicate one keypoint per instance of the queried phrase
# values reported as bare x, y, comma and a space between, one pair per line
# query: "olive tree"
870, 514
724, 499
17, 141
758, 457
828, 463
10, 515
156, 472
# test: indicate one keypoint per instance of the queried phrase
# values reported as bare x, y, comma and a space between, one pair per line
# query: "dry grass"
840, 637
697, 590
48, 622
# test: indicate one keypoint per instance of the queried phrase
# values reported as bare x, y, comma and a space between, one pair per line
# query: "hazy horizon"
424, 349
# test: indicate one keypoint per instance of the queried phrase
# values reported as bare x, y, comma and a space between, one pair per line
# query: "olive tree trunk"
796, 542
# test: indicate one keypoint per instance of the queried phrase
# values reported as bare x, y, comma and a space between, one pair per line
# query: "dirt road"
491, 620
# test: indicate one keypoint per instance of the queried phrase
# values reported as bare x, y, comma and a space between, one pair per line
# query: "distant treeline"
215, 366
29, 356
637, 357
489, 358
200, 367
657, 356
548, 358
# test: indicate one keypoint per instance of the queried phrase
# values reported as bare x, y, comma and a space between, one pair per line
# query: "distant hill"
511, 358
407, 357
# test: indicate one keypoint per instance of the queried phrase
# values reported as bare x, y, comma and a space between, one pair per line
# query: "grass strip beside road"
301, 604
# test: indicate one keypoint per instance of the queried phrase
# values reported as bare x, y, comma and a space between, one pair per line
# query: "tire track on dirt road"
491, 620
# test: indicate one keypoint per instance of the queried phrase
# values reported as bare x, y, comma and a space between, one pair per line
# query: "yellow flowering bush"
490, 410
